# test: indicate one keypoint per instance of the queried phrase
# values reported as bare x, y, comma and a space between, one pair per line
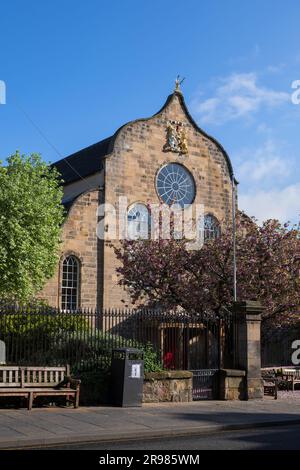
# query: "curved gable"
89, 160
168, 101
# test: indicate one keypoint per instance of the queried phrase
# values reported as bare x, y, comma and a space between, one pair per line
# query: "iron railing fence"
203, 384
85, 338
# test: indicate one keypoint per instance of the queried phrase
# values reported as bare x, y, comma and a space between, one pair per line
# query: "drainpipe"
234, 236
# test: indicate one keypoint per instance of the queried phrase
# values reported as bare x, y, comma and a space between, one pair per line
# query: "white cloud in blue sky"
254, 115
282, 204
266, 163
97, 65
265, 173
237, 96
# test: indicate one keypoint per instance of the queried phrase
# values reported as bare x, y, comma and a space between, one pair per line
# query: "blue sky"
75, 71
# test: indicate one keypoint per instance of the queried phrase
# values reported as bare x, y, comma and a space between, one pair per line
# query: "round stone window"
175, 185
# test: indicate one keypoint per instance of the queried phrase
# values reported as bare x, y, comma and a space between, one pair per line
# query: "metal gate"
200, 343
204, 383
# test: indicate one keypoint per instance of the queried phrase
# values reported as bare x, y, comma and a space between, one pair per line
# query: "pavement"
269, 439
49, 426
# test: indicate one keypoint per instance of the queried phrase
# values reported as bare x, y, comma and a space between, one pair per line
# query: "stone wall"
168, 386
79, 238
231, 384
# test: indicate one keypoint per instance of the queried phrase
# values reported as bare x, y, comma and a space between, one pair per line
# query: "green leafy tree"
31, 215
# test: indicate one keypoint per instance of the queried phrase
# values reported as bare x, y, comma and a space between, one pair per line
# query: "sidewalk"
53, 425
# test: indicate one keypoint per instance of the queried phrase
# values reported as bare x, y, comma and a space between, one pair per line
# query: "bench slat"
23, 376
32, 382
10, 385
46, 368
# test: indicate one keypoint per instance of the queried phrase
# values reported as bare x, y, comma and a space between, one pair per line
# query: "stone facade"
79, 239
129, 170
231, 384
171, 386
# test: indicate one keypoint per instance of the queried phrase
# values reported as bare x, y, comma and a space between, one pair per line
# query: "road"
277, 438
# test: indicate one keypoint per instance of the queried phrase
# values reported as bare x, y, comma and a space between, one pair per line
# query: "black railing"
85, 338
203, 384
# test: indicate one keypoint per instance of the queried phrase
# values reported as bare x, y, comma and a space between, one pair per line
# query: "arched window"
138, 221
70, 283
210, 226
212, 229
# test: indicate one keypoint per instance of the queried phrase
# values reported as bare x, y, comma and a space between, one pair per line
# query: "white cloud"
237, 96
266, 190
250, 56
275, 68
264, 128
282, 204
267, 162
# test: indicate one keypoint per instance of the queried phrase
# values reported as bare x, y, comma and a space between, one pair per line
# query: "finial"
178, 82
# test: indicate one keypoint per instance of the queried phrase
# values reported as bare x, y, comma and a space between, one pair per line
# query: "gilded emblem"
176, 138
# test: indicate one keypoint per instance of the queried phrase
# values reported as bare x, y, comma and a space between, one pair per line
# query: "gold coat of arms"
176, 138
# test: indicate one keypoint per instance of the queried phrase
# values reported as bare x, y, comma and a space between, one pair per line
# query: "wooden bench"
291, 377
32, 382
270, 382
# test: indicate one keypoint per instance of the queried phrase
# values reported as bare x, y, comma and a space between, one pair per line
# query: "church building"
160, 158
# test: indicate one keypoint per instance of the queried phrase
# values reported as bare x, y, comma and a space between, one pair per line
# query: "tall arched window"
212, 229
210, 226
70, 283
138, 221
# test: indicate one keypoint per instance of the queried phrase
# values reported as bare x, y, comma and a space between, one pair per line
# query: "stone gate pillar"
248, 345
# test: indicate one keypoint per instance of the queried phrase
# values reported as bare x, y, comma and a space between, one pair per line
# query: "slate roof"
83, 163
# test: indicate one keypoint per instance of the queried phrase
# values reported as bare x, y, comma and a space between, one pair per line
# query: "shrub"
152, 362
59, 338
37, 336
94, 352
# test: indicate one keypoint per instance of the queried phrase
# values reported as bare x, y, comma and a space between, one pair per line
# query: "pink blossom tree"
165, 274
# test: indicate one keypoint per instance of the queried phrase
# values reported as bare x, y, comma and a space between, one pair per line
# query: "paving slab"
56, 425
